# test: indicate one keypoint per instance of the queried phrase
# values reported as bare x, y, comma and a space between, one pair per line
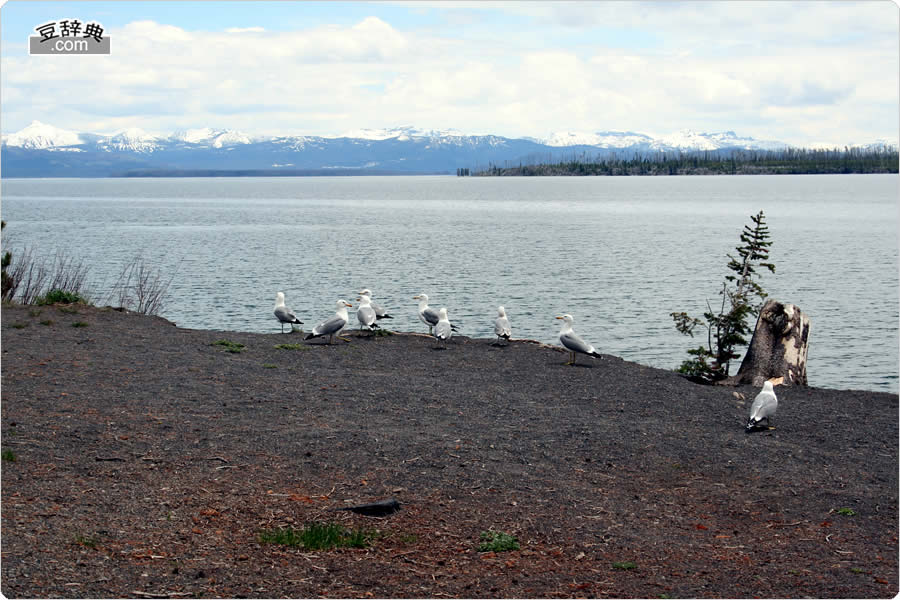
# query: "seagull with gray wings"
283, 313
334, 325
572, 341
764, 405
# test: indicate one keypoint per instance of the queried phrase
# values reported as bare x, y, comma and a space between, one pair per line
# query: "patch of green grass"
497, 541
34, 312
8, 455
19, 325
229, 346
626, 565
87, 541
47, 322
269, 366
383, 333
857, 570
79, 324
60, 297
292, 346
847, 512
69, 310
317, 536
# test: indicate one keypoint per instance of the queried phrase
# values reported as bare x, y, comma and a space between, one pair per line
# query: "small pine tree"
7, 286
742, 297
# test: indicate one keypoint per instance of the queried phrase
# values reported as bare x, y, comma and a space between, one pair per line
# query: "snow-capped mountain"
692, 140
215, 138
41, 150
39, 136
131, 140
601, 139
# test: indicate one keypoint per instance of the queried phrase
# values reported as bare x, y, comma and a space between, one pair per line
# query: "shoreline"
148, 459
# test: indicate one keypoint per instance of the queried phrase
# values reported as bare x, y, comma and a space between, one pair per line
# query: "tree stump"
778, 347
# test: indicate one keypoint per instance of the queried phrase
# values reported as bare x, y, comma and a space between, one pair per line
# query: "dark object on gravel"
382, 508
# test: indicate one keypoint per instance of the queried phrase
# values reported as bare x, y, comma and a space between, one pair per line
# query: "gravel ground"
140, 460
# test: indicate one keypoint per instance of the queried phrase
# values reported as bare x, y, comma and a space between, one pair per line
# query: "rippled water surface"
618, 253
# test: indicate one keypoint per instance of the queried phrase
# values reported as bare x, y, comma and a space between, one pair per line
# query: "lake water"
618, 253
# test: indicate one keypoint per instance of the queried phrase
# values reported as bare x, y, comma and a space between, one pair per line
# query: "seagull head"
279, 299
501, 312
443, 313
567, 318
422, 297
365, 292
342, 304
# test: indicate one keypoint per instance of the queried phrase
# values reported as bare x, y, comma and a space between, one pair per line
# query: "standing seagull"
573, 341
443, 330
283, 313
380, 313
428, 315
365, 314
501, 326
764, 405
334, 325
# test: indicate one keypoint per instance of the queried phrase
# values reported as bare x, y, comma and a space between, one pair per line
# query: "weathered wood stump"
778, 347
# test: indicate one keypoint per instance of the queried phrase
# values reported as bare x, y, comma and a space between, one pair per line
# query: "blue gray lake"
618, 253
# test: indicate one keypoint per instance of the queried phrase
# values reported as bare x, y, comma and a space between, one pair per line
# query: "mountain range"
41, 150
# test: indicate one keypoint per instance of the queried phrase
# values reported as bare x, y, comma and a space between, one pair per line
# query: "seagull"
764, 405
573, 341
428, 315
283, 313
365, 314
443, 330
501, 325
380, 313
334, 325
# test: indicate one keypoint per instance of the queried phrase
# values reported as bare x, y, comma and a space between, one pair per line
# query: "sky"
803, 73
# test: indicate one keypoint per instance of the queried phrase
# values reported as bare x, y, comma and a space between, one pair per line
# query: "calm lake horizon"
617, 253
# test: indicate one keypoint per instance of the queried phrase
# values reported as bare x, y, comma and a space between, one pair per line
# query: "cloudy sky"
799, 72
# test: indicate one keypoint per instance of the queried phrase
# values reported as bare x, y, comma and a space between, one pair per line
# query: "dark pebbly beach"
143, 460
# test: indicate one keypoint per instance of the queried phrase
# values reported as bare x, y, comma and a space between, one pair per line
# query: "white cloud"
796, 72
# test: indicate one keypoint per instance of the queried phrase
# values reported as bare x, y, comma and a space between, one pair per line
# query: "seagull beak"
348, 304
557, 317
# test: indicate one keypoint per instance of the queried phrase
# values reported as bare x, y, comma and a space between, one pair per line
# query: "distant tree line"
796, 161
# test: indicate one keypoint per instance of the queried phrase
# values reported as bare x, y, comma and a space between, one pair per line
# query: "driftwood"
778, 347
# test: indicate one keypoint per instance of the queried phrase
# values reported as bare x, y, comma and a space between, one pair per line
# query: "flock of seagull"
368, 313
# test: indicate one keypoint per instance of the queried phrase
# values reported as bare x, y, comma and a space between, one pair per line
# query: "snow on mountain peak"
380, 134
230, 138
40, 135
132, 139
602, 139
195, 136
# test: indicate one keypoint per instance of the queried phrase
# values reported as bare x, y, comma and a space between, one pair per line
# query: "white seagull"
283, 313
573, 341
380, 313
764, 405
443, 330
365, 314
428, 315
501, 325
334, 325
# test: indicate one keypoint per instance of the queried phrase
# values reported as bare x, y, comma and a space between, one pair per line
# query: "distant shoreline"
786, 162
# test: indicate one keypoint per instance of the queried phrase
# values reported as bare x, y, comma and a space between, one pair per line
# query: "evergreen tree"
742, 297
